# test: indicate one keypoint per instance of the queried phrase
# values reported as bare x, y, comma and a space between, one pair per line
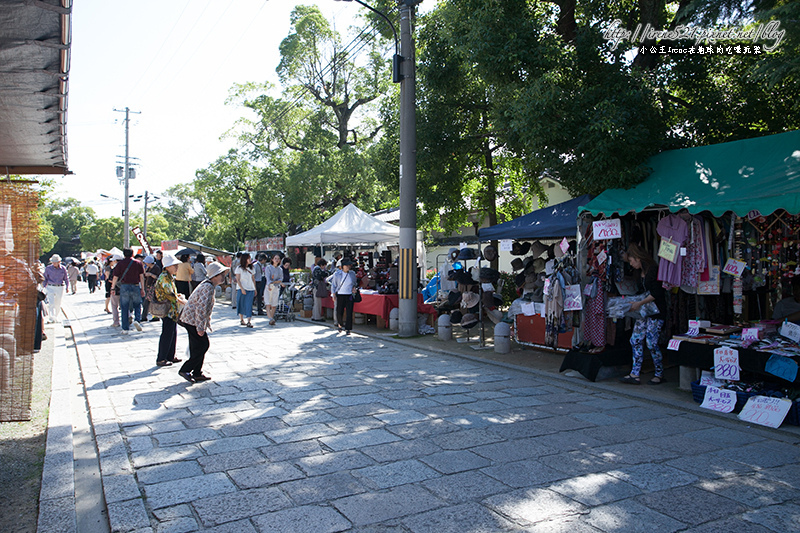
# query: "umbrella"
71, 260
186, 251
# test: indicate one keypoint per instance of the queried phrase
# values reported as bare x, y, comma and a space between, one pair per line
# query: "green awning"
753, 174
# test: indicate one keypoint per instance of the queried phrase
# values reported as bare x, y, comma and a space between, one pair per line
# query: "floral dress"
167, 292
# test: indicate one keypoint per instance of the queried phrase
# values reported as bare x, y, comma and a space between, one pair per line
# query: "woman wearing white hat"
55, 279
196, 318
165, 291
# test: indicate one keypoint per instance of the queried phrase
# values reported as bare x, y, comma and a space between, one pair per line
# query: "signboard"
694, 328
765, 411
783, 367
668, 250
707, 378
726, 364
606, 229
734, 267
142, 240
564, 245
712, 285
506, 245
674, 344
169, 245
750, 334
722, 400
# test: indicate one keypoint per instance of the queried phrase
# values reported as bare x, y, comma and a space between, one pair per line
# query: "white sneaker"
123, 332
137, 326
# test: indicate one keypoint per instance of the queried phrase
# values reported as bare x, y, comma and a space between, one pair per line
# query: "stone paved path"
306, 430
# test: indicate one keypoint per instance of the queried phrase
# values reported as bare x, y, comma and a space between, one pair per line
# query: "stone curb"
57, 495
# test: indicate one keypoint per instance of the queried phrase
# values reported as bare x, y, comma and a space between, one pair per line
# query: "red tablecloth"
381, 305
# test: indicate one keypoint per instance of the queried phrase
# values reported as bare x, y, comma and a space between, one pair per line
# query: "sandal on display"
630, 380
658, 380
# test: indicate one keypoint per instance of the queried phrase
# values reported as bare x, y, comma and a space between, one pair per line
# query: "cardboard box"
306, 313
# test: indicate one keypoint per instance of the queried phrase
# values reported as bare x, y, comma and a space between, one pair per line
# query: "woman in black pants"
196, 318
165, 291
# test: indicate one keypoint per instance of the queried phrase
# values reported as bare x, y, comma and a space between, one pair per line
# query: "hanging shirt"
674, 228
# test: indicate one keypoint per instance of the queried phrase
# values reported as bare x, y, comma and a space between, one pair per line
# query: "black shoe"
155, 319
175, 360
198, 378
163, 363
187, 376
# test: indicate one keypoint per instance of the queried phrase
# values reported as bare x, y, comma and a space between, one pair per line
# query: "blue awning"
560, 220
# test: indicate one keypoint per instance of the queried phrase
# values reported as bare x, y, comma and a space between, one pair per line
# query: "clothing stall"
544, 243
722, 223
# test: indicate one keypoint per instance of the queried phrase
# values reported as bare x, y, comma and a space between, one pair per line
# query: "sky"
173, 62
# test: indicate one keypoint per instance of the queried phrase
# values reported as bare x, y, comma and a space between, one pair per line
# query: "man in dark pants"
261, 283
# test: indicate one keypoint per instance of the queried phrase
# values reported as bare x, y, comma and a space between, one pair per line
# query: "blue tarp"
560, 220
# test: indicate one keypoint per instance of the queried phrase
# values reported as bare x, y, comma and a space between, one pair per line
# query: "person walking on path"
343, 285
151, 273
646, 328
273, 275
91, 275
196, 318
321, 291
198, 271
245, 281
183, 277
166, 291
55, 279
128, 275
73, 273
259, 267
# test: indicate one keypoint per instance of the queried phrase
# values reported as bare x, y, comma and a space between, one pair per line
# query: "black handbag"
357, 296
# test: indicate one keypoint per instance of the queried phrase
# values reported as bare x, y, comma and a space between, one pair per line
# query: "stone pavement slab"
303, 429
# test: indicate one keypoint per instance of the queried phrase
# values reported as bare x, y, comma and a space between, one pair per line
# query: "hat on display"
558, 251
516, 248
215, 269
489, 253
467, 253
519, 279
470, 299
455, 317
498, 299
469, 320
495, 315
169, 260
537, 249
464, 277
516, 264
488, 299
539, 264
530, 265
489, 275
453, 254
551, 252
453, 297
149, 260
55, 258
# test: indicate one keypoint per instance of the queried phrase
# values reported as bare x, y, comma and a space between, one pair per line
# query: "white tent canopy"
351, 225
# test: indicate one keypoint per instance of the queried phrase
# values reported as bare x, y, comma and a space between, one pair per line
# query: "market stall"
722, 223
353, 227
381, 305
547, 232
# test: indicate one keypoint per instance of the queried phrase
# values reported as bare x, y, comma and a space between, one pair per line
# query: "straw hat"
215, 269
470, 300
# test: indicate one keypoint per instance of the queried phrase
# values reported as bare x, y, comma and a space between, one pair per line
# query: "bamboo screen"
19, 255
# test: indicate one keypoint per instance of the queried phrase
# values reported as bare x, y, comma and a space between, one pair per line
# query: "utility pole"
126, 176
407, 305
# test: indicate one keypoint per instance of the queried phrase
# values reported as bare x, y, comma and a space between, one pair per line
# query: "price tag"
781, 366
674, 344
790, 331
606, 229
462, 245
755, 213
734, 267
668, 250
721, 400
707, 378
506, 245
601, 257
694, 328
750, 334
528, 309
765, 411
726, 364
564, 245
683, 251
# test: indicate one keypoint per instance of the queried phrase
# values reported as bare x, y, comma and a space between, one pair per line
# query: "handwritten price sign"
707, 378
694, 328
765, 411
734, 267
674, 344
606, 229
719, 399
750, 334
726, 364
790, 331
